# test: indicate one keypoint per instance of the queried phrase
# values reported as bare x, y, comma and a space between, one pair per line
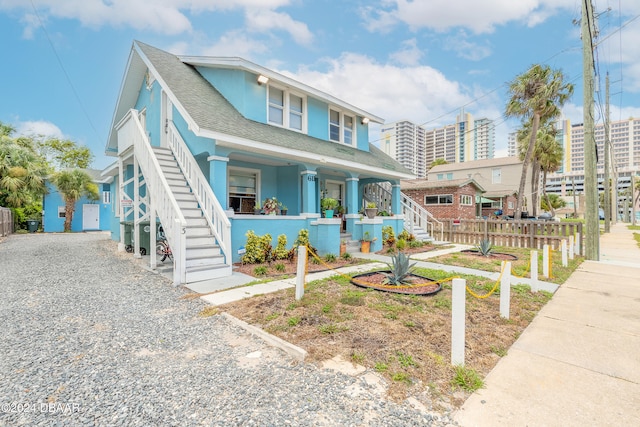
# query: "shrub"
281, 251
257, 248
401, 244
260, 270
346, 256
330, 258
280, 267
405, 235
388, 236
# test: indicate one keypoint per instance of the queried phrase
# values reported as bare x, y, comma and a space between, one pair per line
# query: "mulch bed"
416, 284
492, 255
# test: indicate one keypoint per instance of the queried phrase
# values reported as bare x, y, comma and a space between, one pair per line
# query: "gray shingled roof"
211, 111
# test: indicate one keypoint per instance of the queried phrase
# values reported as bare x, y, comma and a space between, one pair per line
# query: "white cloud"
38, 128
477, 16
466, 49
410, 54
165, 17
236, 43
418, 93
260, 20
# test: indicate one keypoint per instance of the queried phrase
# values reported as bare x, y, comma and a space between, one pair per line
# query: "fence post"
534, 271
571, 247
532, 235
565, 262
505, 289
578, 243
458, 295
545, 261
302, 259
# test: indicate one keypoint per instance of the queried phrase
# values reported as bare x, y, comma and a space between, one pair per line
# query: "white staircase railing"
158, 189
216, 216
415, 215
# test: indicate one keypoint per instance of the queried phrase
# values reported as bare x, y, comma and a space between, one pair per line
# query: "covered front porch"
243, 182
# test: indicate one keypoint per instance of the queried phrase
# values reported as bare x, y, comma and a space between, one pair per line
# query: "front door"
91, 217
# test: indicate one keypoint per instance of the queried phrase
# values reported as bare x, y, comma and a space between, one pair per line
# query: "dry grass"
405, 338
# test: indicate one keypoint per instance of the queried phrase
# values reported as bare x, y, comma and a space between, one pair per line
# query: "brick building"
457, 199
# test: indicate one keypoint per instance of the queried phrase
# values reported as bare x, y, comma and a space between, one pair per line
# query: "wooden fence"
6, 222
519, 234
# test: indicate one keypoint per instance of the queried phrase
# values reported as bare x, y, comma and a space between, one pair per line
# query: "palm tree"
73, 184
549, 154
536, 95
22, 170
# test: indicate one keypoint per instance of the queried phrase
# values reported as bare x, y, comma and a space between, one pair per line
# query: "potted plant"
343, 247
283, 209
339, 211
365, 243
257, 208
371, 210
328, 205
270, 206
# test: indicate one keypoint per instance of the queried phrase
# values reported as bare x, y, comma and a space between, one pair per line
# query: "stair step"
204, 261
204, 239
202, 251
212, 272
197, 231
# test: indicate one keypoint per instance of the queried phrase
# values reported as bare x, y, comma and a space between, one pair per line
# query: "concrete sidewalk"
578, 363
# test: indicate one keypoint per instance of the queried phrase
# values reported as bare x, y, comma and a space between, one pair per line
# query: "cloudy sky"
62, 61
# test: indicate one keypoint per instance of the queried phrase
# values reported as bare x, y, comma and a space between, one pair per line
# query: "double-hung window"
286, 109
341, 127
439, 199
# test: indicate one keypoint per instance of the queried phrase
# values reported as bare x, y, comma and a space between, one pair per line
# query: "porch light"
365, 120
262, 79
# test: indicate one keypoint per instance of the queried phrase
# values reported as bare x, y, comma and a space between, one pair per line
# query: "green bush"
281, 251
388, 235
257, 248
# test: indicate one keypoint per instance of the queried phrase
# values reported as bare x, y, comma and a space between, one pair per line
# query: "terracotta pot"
343, 248
371, 212
365, 246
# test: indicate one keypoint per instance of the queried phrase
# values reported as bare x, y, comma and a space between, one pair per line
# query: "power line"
64, 70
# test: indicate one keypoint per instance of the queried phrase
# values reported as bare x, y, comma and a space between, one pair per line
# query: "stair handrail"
164, 202
424, 216
213, 212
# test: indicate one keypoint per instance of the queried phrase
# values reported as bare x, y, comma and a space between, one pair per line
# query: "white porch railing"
415, 215
213, 212
158, 189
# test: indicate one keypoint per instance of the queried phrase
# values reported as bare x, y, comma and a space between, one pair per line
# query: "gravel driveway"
90, 338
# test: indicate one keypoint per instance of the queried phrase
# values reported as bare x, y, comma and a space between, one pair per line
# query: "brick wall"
454, 210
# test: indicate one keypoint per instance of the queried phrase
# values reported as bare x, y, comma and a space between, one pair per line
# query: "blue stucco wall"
318, 119
151, 100
241, 89
53, 224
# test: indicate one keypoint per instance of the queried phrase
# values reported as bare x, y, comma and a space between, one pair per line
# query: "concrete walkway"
578, 362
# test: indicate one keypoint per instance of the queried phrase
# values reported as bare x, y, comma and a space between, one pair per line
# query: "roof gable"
210, 115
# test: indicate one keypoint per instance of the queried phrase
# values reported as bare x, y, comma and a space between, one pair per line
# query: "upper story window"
341, 127
286, 109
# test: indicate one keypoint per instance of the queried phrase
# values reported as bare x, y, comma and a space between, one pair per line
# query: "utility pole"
592, 223
606, 179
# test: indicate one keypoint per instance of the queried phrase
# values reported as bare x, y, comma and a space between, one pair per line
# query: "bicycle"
162, 246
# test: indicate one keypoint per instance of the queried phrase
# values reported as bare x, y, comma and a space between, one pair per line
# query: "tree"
64, 153
73, 184
552, 202
438, 162
536, 96
22, 170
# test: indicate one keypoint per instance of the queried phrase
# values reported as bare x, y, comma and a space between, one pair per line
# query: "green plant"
281, 251
260, 270
406, 360
283, 206
415, 244
388, 235
401, 377
400, 268
467, 379
401, 244
257, 206
329, 203
272, 316
330, 258
366, 237
293, 321
257, 248
346, 256
381, 367
500, 351
280, 267
405, 235
331, 328
270, 206
357, 357
484, 247
371, 205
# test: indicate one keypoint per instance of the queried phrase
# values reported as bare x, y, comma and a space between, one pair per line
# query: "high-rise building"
405, 142
416, 148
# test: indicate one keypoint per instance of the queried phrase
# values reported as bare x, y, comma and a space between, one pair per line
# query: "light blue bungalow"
200, 141
88, 216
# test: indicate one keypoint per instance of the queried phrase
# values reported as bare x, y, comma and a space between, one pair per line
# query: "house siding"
51, 223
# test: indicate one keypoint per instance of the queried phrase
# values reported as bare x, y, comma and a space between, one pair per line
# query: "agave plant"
400, 269
485, 247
